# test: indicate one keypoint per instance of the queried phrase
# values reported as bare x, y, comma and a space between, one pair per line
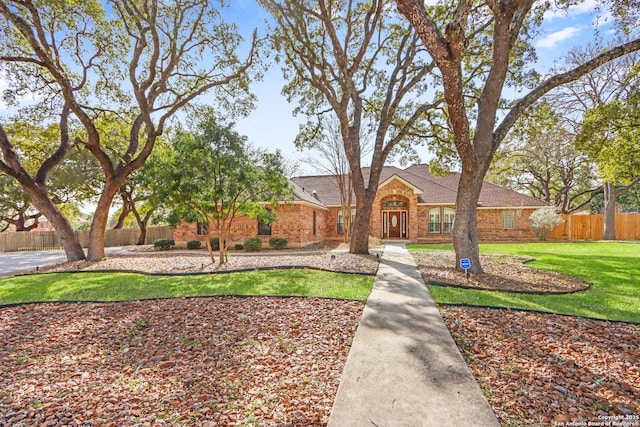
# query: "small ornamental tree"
216, 176
544, 220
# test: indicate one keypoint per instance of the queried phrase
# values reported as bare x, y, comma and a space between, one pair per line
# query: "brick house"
411, 205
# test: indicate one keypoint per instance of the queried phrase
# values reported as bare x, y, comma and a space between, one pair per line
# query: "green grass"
128, 286
611, 268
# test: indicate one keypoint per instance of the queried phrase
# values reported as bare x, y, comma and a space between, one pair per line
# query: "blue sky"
271, 125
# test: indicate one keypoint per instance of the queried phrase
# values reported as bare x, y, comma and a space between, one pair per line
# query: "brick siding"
295, 222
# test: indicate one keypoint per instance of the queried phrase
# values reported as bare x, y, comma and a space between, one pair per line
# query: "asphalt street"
17, 262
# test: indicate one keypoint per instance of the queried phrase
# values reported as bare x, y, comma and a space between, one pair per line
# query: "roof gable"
417, 191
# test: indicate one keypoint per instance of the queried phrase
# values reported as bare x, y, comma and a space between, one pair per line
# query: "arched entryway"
395, 218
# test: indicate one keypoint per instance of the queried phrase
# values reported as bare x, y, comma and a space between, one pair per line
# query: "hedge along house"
411, 205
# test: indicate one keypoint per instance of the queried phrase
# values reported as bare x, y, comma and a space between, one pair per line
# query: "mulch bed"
198, 361
507, 273
277, 361
544, 369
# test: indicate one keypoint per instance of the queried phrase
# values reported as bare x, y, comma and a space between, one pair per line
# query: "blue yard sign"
465, 263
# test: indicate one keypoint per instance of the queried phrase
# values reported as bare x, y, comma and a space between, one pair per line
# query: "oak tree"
611, 137
55, 175
353, 60
540, 157
591, 102
329, 158
143, 61
477, 48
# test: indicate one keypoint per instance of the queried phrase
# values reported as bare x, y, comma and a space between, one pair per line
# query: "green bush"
163, 244
215, 243
253, 244
194, 244
239, 246
278, 243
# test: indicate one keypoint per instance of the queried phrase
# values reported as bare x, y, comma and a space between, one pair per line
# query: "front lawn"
611, 268
128, 286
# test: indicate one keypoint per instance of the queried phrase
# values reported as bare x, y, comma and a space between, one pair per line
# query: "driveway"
16, 262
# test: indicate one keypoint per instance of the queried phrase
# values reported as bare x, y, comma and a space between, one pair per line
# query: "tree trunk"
20, 223
143, 235
609, 212
143, 229
100, 219
142, 223
222, 255
210, 249
465, 229
361, 227
66, 235
123, 216
347, 231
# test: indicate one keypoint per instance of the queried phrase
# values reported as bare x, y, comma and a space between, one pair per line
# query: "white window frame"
436, 222
340, 221
448, 219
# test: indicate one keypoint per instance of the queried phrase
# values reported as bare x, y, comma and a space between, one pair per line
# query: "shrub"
278, 243
194, 244
163, 244
544, 220
215, 243
239, 246
252, 244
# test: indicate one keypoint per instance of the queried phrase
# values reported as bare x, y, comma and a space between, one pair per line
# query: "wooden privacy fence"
591, 227
43, 240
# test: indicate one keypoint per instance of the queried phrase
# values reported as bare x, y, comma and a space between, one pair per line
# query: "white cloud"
587, 6
603, 19
551, 40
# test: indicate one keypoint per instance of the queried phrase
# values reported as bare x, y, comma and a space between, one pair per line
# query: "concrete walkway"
403, 368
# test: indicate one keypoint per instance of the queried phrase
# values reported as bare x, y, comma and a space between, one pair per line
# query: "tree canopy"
139, 61
540, 157
214, 176
478, 48
357, 62
611, 137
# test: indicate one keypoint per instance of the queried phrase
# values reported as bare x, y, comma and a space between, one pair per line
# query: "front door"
394, 225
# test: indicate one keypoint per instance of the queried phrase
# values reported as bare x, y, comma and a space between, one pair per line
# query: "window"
508, 220
394, 204
203, 229
264, 228
434, 220
341, 221
449, 217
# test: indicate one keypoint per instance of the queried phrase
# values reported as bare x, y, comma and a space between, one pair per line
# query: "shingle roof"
300, 195
435, 190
